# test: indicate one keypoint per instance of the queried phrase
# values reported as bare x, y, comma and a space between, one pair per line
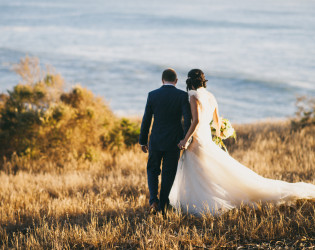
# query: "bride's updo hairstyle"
196, 78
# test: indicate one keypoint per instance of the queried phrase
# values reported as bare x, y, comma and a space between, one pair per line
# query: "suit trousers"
169, 161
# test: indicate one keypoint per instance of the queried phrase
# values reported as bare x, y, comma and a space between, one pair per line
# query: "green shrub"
39, 119
124, 134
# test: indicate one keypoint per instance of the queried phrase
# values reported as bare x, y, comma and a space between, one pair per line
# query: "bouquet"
226, 131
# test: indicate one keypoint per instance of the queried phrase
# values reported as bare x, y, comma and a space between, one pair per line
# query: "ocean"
258, 56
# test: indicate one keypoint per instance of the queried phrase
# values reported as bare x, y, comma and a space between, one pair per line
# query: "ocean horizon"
258, 56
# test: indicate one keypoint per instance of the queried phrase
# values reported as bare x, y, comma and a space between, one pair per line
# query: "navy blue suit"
167, 105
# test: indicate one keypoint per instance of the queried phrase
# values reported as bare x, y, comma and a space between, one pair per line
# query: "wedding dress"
210, 180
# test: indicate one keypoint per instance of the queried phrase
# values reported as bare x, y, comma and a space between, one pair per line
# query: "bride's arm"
217, 121
194, 123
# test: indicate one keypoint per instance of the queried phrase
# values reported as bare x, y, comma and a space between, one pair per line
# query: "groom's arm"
146, 123
186, 113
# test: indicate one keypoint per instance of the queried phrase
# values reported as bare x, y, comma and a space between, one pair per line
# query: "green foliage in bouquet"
226, 131
39, 119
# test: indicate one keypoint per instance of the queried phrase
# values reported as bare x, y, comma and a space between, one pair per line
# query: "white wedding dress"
209, 180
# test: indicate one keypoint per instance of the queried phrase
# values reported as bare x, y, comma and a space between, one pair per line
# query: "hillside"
60, 191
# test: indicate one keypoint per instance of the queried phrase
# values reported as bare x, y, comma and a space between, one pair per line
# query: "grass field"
104, 204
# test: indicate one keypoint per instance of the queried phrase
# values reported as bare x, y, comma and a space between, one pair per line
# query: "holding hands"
183, 144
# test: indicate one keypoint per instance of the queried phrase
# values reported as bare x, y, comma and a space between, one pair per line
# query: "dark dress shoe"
154, 208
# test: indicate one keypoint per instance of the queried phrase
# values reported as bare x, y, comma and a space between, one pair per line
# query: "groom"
167, 105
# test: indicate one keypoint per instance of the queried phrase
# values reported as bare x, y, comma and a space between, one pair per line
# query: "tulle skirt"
209, 180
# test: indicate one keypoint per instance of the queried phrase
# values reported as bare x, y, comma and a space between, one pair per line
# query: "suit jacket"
167, 105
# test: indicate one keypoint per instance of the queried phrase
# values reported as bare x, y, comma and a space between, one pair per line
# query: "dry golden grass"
104, 204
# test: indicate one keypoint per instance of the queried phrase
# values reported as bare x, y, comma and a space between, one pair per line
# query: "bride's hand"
182, 144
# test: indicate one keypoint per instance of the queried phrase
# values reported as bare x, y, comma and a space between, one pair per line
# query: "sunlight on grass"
63, 200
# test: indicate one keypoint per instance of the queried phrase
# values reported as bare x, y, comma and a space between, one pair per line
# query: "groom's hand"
144, 148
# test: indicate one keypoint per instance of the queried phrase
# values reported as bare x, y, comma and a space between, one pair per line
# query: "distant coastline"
257, 55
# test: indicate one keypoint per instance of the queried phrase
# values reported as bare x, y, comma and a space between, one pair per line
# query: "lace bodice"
206, 106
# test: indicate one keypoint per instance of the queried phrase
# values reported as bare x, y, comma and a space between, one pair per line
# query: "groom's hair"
169, 75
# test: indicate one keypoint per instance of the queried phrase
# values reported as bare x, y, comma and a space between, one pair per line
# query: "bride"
209, 179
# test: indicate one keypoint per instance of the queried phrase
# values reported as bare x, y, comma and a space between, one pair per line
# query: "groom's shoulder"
175, 90
154, 92
182, 93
